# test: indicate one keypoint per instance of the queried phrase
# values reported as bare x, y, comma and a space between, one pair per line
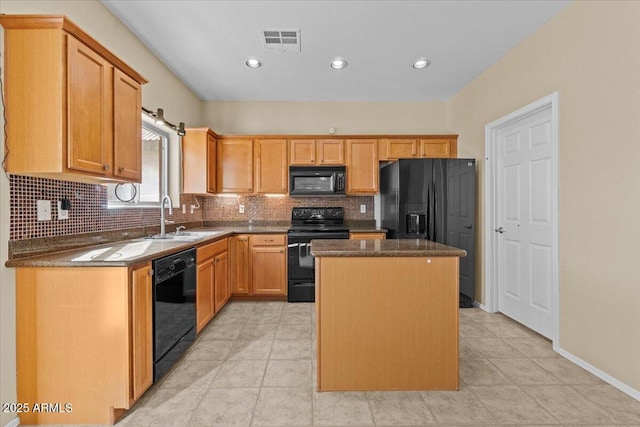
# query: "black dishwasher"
174, 309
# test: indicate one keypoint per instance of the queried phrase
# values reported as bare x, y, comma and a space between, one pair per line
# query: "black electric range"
308, 224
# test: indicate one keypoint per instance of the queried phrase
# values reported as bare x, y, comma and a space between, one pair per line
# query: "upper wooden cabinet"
86, 100
407, 148
439, 147
271, 166
362, 166
199, 161
316, 152
235, 166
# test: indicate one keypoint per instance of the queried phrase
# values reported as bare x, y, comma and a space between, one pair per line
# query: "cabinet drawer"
268, 240
207, 251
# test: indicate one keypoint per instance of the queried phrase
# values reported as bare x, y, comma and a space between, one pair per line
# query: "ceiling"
206, 44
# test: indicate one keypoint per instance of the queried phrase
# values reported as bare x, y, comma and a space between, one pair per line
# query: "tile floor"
254, 366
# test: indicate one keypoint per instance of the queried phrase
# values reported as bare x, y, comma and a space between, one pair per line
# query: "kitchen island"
387, 314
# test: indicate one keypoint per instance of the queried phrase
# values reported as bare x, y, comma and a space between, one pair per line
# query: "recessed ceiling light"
253, 63
421, 63
338, 64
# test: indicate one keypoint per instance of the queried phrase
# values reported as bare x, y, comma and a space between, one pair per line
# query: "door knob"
500, 230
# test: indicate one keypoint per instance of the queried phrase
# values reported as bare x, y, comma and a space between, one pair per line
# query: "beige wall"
164, 90
228, 118
590, 54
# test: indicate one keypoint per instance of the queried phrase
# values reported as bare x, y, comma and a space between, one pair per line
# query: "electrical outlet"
363, 208
184, 208
241, 208
62, 213
193, 208
44, 210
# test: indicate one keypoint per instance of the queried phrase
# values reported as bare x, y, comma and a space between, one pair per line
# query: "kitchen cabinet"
319, 152
393, 149
439, 147
419, 147
235, 166
259, 265
367, 236
271, 166
362, 166
141, 330
268, 264
84, 336
199, 154
211, 278
239, 262
87, 101
221, 277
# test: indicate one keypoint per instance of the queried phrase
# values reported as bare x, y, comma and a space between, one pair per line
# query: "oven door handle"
292, 245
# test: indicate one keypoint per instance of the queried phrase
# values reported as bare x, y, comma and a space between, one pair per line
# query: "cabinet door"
362, 166
235, 166
89, 110
127, 127
330, 152
302, 152
436, 148
268, 270
211, 164
271, 165
394, 149
239, 258
141, 330
221, 295
204, 293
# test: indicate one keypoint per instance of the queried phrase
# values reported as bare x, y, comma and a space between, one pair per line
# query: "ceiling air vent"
281, 40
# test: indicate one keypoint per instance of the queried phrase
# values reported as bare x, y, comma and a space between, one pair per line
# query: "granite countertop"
383, 248
126, 253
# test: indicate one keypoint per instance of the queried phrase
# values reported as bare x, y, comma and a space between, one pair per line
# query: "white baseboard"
13, 423
480, 306
590, 368
602, 375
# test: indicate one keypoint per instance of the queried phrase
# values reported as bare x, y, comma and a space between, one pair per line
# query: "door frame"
491, 206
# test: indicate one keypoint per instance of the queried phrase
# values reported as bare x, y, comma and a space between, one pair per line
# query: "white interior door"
524, 220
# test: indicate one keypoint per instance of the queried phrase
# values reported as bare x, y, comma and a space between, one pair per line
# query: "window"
154, 173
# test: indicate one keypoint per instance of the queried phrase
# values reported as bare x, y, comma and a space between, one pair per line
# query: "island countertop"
382, 248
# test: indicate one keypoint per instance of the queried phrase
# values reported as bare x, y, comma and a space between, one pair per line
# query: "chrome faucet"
179, 229
162, 218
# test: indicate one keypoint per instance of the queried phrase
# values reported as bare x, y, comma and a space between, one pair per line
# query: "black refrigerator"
433, 199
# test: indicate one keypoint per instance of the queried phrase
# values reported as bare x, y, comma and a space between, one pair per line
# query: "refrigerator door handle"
429, 220
435, 209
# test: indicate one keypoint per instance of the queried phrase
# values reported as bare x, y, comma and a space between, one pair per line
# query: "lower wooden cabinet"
222, 292
239, 274
259, 265
141, 330
83, 336
367, 236
212, 289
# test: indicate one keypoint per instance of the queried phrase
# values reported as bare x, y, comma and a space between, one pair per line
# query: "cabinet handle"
105, 167
151, 272
281, 251
121, 169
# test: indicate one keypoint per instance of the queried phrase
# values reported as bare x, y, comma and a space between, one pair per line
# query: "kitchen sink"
187, 236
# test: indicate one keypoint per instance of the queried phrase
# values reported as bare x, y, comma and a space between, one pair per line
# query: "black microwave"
313, 181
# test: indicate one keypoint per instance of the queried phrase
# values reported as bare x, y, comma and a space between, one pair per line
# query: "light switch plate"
363, 208
241, 208
62, 213
44, 210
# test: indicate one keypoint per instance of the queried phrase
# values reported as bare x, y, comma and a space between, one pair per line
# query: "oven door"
299, 259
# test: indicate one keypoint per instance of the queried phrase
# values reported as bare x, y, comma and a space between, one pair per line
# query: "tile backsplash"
88, 213
268, 208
